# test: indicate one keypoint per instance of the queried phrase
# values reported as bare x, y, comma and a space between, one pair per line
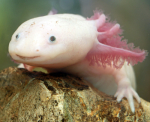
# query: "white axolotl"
90, 48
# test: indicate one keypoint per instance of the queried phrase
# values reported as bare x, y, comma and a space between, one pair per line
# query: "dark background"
132, 15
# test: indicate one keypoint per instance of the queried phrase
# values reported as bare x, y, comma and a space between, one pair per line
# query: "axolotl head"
49, 41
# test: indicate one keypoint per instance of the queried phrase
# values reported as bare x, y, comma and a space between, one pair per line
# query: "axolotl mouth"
27, 58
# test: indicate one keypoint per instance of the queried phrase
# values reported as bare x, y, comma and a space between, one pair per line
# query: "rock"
59, 97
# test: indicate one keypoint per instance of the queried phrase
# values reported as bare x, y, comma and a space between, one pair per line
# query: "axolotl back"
90, 48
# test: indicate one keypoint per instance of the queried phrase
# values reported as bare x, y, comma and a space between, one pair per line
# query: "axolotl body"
90, 48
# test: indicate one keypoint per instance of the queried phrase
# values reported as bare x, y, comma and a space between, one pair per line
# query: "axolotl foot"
129, 93
28, 67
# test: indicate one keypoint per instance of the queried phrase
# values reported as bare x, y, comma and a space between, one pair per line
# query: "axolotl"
91, 48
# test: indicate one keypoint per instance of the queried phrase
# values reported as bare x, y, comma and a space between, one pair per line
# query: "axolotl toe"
91, 48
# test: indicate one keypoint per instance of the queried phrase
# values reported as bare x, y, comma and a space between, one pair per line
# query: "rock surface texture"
58, 97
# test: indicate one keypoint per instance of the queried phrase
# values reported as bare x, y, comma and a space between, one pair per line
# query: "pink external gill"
111, 49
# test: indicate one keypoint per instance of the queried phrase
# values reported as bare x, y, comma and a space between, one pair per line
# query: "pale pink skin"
81, 48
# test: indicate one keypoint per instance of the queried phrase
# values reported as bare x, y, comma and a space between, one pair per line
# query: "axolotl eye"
17, 36
52, 38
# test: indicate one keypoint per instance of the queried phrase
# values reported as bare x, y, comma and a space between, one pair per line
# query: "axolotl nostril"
90, 48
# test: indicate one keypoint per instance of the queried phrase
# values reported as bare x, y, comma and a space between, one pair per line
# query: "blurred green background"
132, 15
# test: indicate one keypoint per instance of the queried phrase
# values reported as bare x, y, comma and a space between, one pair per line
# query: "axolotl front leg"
110, 51
125, 82
28, 67
118, 82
